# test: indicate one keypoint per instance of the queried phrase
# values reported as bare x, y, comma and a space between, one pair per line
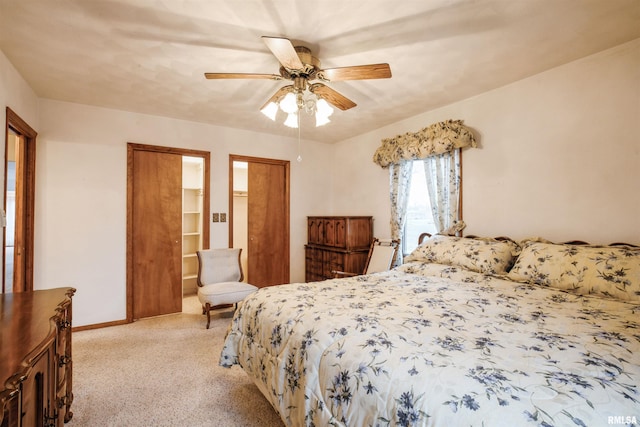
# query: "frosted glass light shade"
288, 103
323, 108
270, 110
292, 120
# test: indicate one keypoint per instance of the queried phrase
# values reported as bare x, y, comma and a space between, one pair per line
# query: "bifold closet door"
157, 233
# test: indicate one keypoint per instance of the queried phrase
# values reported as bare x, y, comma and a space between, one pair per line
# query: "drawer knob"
64, 324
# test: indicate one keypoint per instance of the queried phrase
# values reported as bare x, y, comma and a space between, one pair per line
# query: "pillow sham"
611, 271
482, 255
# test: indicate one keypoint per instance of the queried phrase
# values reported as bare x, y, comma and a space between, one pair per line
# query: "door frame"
14, 122
131, 148
284, 163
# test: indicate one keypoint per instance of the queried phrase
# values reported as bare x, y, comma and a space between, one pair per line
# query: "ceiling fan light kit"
294, 103
300, 66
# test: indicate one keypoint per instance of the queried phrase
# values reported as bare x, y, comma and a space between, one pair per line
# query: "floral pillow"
612, 271
482, 255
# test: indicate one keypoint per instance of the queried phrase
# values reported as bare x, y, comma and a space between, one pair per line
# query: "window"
419, 218
440, 146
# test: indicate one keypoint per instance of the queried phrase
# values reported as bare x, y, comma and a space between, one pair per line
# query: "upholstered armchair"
220, 279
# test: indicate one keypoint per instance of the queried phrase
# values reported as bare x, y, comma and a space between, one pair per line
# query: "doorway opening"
18, 212
238, 209
9, 220
193, 220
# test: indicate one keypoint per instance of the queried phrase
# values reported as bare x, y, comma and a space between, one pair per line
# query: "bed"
467, 332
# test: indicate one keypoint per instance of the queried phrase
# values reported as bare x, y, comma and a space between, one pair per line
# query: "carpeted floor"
163, 371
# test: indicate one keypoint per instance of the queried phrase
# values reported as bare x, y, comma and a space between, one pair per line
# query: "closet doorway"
167, 211
19, 196
259, 217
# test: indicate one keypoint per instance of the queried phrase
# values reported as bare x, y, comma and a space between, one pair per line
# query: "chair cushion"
224, 293
219, 265
381, 259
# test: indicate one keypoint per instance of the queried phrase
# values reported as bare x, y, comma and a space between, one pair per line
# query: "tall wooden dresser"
336, 243
35, 358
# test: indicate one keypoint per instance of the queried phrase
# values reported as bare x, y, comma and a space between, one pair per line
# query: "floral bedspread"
433, 345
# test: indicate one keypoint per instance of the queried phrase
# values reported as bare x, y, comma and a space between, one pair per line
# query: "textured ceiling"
149, 56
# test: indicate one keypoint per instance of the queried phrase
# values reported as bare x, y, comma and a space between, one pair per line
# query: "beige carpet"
163, 372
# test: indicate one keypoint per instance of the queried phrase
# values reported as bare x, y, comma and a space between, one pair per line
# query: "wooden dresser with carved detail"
35, 358
336, 243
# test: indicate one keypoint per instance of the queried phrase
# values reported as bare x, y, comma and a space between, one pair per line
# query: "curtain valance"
435, 139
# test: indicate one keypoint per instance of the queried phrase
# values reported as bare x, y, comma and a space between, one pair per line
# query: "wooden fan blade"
357, 72
242, 76
284, 51
332, 96
279, 94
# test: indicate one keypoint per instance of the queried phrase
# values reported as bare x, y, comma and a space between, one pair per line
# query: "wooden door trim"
13, 121
287, 165
131, 148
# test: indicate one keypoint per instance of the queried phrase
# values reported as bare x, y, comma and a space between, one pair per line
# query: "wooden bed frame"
424, 236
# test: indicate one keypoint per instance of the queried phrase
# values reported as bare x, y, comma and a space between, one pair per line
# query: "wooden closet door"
268, 224
157, 233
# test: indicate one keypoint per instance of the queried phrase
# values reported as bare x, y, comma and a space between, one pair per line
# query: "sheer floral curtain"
442, 172
440, 146
400, 183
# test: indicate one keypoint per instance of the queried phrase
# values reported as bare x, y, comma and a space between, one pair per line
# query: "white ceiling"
149, 56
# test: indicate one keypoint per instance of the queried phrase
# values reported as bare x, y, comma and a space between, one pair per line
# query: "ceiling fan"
301, 67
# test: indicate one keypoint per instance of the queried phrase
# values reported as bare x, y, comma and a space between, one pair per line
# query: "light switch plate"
215, 217
223, 217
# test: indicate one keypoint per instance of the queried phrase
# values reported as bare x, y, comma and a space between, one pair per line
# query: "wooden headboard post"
422, 237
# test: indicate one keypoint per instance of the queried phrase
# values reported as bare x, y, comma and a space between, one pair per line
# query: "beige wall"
16, 94
81, 194
559, 155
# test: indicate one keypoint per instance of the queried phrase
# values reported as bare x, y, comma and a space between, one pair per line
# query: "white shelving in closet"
191, 221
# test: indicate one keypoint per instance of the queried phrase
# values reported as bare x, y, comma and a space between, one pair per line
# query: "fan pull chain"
299, 159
